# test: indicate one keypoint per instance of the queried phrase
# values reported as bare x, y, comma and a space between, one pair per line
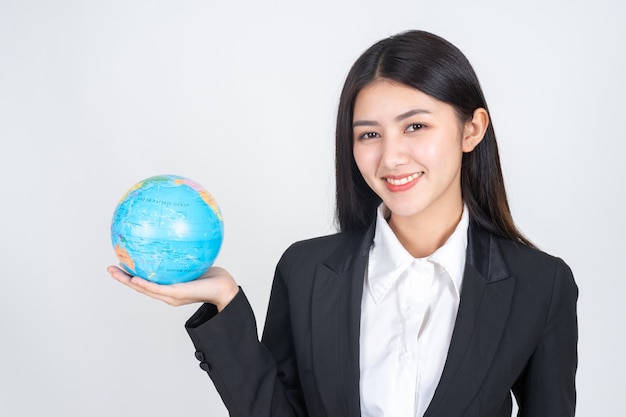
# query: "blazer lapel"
485, 300
336, 320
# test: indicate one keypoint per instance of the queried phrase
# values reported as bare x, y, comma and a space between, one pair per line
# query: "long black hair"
434, 66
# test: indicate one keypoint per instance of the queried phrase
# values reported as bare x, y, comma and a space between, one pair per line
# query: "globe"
167, 229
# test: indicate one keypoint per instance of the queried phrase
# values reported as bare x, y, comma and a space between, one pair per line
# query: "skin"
409, 146
398, 131
216, 286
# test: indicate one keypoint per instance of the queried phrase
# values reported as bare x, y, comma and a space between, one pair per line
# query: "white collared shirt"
408, 311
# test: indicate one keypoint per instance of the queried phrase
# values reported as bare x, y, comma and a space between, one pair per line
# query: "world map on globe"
167, 229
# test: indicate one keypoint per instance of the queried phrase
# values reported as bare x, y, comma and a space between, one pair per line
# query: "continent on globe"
167, 229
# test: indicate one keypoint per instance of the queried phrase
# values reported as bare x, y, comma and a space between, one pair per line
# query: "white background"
241, 97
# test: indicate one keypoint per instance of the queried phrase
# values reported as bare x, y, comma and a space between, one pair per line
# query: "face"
408, 147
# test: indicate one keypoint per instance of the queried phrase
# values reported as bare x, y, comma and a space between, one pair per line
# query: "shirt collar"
451, 256
388, 258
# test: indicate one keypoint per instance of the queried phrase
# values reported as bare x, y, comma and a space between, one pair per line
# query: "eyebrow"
398, 118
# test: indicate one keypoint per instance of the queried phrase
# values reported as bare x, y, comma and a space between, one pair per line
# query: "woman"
429, 302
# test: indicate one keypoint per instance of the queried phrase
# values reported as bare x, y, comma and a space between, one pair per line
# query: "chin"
404, 210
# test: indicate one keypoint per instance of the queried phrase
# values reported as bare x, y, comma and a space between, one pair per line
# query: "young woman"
429, 302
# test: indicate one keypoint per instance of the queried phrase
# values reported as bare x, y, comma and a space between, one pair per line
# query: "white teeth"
404, 180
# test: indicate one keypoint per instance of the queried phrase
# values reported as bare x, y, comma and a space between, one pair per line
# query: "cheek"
365, 160
446, 153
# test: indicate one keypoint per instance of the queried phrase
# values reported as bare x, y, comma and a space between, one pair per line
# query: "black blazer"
516, 330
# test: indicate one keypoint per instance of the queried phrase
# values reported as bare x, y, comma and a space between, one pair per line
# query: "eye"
368, 135
414, 127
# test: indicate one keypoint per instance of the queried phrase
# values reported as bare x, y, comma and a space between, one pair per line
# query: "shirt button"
205, 366
200, 356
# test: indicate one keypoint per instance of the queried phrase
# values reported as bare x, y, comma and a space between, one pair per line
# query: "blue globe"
167, 229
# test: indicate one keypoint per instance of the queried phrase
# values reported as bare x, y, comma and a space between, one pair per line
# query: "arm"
547, 386
253, 378
244, 371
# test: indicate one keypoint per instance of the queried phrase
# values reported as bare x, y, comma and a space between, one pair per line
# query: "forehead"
387, 99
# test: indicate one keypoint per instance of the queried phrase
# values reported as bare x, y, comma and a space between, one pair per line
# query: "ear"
474, 130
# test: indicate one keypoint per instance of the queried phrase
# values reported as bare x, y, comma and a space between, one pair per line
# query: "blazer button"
205, 366
200, 356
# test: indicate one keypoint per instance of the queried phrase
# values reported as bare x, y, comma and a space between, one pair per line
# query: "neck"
422, 235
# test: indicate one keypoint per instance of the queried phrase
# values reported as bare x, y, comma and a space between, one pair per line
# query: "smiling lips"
402, 183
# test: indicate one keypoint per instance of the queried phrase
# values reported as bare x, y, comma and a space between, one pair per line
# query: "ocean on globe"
167, 229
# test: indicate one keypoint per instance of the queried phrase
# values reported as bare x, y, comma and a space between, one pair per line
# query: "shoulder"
535, 267
320, 243
521, 256
317, 248
335, 251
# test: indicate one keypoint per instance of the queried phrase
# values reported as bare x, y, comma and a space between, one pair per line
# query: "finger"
112, 269
118, 274
136, 283
159, 292
169, 294
148, 287
172, 294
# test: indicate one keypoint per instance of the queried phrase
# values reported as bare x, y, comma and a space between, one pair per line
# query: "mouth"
403, 180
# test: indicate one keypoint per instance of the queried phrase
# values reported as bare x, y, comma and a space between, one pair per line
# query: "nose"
394, 151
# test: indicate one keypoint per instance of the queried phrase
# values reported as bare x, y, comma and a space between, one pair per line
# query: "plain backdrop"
241, 96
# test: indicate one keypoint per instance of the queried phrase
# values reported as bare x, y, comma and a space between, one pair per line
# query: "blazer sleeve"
547, 385
245, 372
